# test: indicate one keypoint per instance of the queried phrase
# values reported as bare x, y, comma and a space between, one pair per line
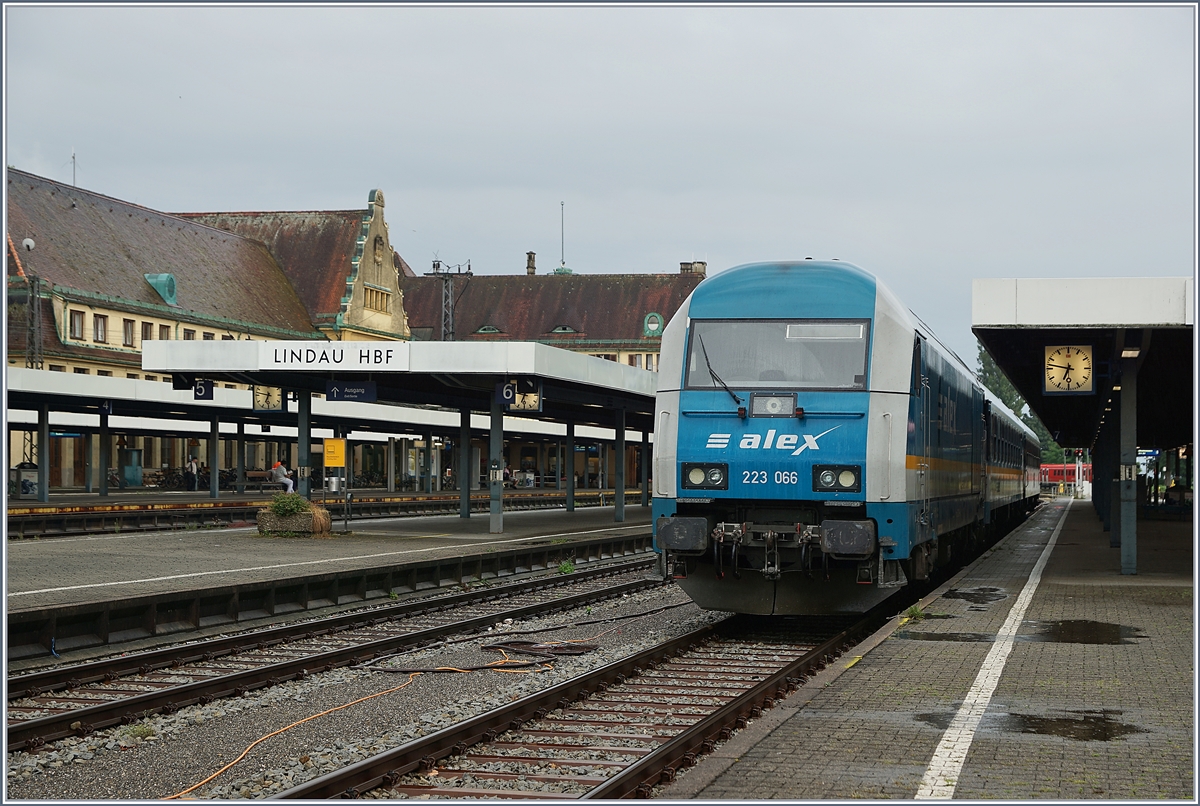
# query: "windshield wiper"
712, 372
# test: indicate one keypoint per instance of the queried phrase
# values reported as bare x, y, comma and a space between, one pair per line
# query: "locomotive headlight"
837, 478
704, 475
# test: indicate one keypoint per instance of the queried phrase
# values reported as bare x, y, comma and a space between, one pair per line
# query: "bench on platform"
263, 479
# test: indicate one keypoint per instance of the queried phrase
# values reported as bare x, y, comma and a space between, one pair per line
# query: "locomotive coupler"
771, 569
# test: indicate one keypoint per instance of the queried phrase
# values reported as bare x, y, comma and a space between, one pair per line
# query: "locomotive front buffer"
773, 549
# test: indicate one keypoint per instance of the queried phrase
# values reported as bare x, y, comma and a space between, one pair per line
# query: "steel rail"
62, 677
44, 521
35, 732
660, 765
637, 779
390, 765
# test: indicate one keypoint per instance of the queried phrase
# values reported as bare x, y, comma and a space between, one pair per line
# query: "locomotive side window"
778, 354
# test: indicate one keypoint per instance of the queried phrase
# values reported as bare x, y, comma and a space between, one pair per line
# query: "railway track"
127, 515
613, 732
79, 699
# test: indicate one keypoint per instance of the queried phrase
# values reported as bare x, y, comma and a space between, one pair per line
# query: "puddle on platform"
1051, 632
1082, 632
976, 595
1082, 726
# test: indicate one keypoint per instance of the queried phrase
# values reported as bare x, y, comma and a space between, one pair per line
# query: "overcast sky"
927, 145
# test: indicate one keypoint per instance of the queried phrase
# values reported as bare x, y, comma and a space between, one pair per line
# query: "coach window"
99, 328
77, 324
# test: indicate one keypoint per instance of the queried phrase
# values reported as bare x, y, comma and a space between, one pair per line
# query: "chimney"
530, 269
693, 267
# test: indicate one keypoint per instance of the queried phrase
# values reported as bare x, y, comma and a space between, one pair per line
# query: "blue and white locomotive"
816, 447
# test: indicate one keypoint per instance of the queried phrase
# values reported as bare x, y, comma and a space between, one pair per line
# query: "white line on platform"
306, 562
941, 777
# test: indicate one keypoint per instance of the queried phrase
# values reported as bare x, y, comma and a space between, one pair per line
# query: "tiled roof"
595, 308
97, 244
314, 248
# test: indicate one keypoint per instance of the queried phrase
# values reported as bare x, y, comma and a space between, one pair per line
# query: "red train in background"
1064, 474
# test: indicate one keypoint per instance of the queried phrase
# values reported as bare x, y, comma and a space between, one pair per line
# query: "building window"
77, 324
99, 328
230, 386
82, 371
127, 327
376, 299
57, 368
104, 373
131, 375
164, 331
650, 362
189, 335
607, 356
209, 336
227, 337
152, 377
147, 331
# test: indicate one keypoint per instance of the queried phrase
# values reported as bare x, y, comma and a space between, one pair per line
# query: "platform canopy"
1022, 322
442, 375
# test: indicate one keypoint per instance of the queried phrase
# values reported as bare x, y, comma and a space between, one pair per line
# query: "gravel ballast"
164, 755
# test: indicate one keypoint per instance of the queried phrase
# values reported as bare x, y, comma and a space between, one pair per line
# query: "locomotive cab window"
778, 354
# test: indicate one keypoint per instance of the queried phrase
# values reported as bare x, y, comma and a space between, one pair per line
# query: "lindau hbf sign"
250, 356
338, 355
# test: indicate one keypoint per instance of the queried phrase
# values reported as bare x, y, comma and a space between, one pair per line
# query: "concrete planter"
316, 521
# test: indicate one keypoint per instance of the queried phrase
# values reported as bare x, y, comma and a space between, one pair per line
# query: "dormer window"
564, 329
487, 329
652, 325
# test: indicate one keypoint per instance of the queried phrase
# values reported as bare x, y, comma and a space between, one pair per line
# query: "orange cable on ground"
261, 739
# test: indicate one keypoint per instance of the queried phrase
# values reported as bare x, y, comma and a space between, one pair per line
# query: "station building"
92, 278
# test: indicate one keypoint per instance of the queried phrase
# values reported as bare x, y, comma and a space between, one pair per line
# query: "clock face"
1068, 368
268, 398
526, 402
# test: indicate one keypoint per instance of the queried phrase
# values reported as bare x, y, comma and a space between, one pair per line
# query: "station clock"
1068, 369
268, 398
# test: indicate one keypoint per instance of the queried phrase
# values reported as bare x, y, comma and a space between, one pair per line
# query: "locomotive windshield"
778, 354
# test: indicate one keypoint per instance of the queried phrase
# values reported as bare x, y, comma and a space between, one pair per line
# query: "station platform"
86, 569
1027, 679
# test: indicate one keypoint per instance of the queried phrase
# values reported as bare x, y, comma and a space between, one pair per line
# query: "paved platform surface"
1094, 700
75, 570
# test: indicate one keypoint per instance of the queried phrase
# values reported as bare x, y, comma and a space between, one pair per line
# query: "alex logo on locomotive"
784, 442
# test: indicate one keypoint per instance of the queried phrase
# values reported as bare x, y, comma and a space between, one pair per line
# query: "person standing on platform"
191, 472
281, 474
